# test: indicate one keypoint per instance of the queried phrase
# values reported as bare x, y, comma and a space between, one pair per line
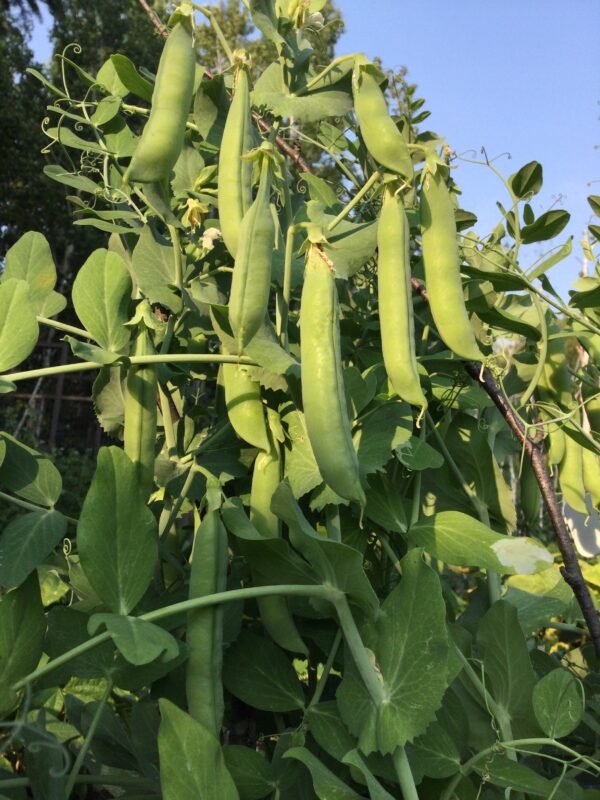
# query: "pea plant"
326, 554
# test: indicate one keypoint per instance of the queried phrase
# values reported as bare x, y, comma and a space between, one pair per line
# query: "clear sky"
516, 76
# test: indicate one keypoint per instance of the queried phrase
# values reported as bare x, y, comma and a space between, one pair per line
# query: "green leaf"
26, 541
301, 468
53, 304
89, 352
131, 78
552, 260
435, 753
187, 168
153, 267
546, 226
337, 565
376, 790
260, 674
417, 455
116, 534
326, 784
211, 105
109, 400
252, 773
101, 296
594, 202
508, 670
106, 110
502, 771
138, 641
527, 181
558, 703
22, 627
30, 259
320, 190
28, 473
328, 730
538, 598
191, 759
381, 432
463, 541
409, 641
66, 137
384, 504
108, 77
79, 182
19, 330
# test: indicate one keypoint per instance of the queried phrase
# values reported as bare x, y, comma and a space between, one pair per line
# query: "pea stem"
355, 200
301, 590
327, 668
217, 29
62, 326
404, 773
287, 288
160, 358
177, 256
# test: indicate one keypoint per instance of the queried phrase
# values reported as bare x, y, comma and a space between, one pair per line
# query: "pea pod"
323, 394
162, 137
556, 384
235, 175
529, 494
395, 301
379, 131
251, 280
591, 476
442, 269
274, 611
140, 412
570, 476
591, 397
244, 406
203, 686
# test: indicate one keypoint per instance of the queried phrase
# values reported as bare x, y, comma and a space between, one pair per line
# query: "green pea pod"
395, 301
162, 138
140, 412
379, 131
556, 383
235, 175
570, 476
251, 280
442, 269
323, 394
529, 493
591, 476
556, 440
591, 396
274, 611
208, 575
244, 406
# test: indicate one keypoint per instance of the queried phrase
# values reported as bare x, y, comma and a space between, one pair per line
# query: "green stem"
174, 233
159, 358
217, 29
390, 552
415, 508
405, 776
165, 410
359, 653
62, 326
323, 592
542, 356
326, 669
87, 741
355, 200
334, 525
287, 288
16, 501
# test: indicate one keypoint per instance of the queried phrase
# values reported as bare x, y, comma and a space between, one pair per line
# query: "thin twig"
162, 29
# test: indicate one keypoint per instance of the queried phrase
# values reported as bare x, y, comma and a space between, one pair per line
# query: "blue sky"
516, 76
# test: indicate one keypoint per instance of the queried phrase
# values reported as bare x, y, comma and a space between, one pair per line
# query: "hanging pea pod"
591, 476
591, 397
251, 280
555, 439
442, 269
379, 131
556, 384
323, 394
395, 301
235, 174
162, 137
141, 412
274, 611
244, 405
529, 494
208, 575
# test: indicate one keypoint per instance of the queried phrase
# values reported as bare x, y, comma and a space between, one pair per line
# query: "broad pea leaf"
509, 674
211, 105
101, 296
131, 78
109, 80
22, 628
138, 641
252, 773
463, 541
89, 352
26, 541
19, 329
28, 473
528, 180
326, 784
261, 675
376, 790
435, 753
191, 759
385, 505
328, 730
187, 168
336, 564
44, 761
502, 771
558, 703
546, 226
538, 597
417, 455
30, 259
301, 468
410, 646
381, 432
79, 182
555, 258
116, 534
106, 110
153, 268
